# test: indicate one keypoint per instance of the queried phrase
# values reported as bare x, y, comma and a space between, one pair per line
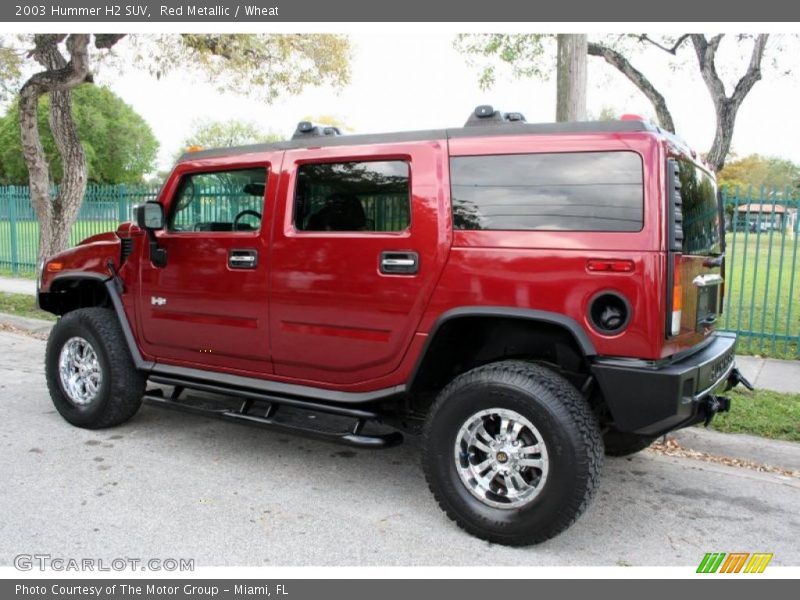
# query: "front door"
208, 306
358, 244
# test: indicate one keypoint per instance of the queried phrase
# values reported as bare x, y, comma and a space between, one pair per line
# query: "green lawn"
763, 292
763, 413
22, 305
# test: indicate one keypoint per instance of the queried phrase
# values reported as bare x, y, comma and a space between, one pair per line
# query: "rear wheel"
619, 443
512, 452
90, 374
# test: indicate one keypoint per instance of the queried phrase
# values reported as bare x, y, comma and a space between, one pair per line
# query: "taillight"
677, 296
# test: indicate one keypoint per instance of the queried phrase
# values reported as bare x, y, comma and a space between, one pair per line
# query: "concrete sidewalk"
17, 285
764, 373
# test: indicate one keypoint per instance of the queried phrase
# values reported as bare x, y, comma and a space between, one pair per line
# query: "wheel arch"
467, 337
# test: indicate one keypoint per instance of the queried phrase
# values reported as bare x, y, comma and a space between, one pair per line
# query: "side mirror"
149, 216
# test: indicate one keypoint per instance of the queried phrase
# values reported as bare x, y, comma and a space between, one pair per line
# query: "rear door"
358, 243
695, 257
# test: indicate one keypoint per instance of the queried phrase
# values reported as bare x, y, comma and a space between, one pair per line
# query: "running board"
244, 415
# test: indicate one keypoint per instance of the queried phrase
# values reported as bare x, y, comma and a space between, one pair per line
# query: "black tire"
567, 426
120, 392
620, 443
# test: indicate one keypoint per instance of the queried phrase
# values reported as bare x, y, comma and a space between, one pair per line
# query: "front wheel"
512, 452
90, 373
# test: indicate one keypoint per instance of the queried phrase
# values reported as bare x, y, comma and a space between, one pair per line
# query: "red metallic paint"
317, 311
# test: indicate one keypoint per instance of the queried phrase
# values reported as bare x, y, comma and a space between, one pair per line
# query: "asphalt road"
173, 485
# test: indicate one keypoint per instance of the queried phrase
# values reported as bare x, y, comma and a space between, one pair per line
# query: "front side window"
353, 196
219, 201
568, 191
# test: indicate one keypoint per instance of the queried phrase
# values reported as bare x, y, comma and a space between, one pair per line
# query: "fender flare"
569, 324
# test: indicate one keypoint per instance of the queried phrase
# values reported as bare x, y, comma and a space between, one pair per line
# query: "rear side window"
700, 210
570, 191
352, 196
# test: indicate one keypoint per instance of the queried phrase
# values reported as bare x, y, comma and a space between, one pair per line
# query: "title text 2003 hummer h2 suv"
524, 296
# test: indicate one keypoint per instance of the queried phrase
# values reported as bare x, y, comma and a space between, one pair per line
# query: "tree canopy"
231, 132
119, 145
760, 171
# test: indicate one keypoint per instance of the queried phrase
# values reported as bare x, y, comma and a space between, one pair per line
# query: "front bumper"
654, 398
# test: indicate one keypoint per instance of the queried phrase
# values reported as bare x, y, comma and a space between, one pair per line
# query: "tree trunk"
571, 78
56, 214
726, 107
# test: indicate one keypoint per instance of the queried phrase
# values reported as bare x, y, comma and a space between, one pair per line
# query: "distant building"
765, 217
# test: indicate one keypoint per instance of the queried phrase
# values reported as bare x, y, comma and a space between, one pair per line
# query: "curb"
26, 324
776, 453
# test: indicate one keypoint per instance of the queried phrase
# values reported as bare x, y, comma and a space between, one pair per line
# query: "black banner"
474, 11
336, 589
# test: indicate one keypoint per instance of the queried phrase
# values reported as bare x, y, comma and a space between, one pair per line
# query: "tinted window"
701, 225
586, 191
352, 196
219, 201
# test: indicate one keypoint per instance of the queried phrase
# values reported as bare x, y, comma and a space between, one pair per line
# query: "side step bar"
246, 415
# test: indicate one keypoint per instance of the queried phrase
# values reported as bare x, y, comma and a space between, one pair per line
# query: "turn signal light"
54, 267
677, 297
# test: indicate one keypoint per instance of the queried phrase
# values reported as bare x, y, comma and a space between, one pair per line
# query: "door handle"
399, 263
243, 259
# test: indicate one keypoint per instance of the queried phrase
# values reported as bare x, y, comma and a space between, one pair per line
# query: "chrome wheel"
79, 371
501, 458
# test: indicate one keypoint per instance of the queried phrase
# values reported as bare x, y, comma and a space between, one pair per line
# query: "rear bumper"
652, 399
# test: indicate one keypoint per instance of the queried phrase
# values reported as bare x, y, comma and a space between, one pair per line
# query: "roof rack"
485, 114
306, 129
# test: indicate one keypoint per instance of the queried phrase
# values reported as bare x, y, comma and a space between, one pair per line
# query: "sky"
419, 81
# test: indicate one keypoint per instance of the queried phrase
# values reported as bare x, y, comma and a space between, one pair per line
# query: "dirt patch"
11, 329
671, 447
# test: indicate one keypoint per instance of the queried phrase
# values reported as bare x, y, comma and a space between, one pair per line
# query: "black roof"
514, 128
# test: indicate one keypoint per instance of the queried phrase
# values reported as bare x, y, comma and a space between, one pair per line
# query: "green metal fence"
762, 301
762, 297
104, 206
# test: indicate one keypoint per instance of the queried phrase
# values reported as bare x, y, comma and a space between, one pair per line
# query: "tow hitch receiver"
714, 405
735, 378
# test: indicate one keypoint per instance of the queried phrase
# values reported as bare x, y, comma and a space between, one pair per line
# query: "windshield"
701, 212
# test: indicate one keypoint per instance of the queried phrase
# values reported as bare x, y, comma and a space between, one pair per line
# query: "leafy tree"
222, 134
760, 171
262, 65
118, 143
527, 55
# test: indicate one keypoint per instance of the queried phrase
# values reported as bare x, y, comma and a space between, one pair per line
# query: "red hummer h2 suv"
527, 297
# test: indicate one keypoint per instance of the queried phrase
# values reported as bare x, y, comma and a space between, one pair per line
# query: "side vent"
675, 208
126, 249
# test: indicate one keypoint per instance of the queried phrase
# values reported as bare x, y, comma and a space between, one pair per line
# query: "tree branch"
104, 41
726, 106
619, 62
672, 50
